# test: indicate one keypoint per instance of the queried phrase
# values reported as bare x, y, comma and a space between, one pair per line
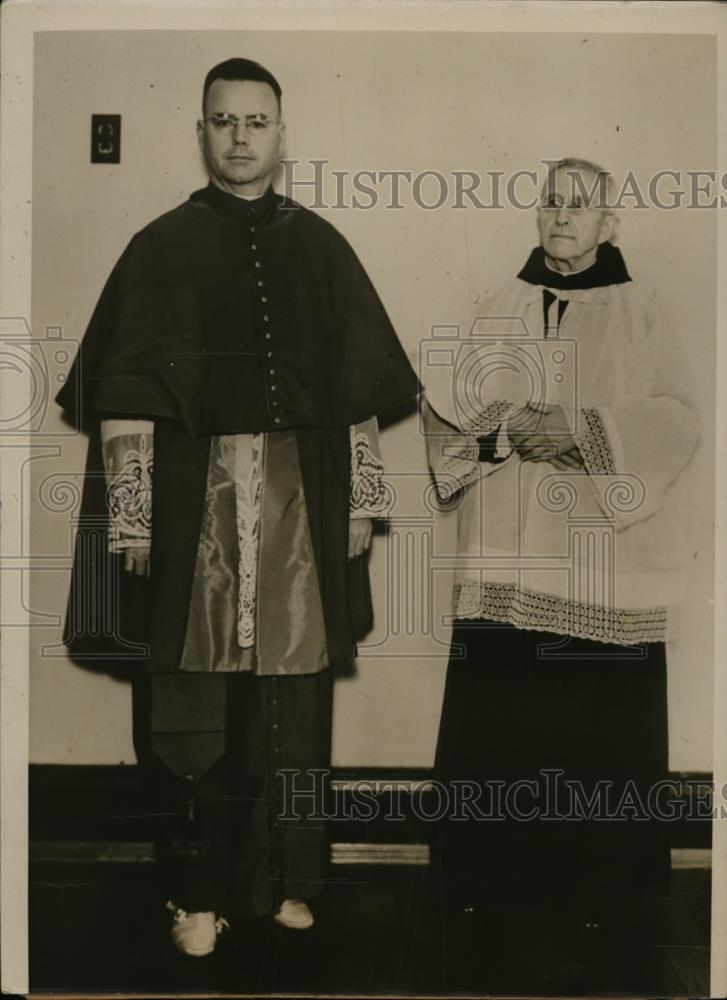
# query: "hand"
359, 535
136, 560
570, 460
542, 434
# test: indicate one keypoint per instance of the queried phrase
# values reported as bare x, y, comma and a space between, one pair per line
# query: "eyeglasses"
225, 122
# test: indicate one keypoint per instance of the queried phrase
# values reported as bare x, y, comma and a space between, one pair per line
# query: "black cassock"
223, 316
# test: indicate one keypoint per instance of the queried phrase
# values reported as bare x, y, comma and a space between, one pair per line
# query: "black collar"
255, 211
609, 269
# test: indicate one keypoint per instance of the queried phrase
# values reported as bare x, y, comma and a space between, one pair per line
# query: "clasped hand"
540, 433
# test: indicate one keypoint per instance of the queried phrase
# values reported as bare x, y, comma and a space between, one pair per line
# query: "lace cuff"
457, 468
593, 443
369, 493
489, 418
128, 455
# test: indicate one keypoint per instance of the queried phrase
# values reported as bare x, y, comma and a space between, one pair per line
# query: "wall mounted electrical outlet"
105, 138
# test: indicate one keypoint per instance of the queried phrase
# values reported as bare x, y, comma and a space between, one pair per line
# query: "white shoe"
195, 934
294, 913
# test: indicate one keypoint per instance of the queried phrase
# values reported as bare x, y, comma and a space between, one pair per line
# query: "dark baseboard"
101, 804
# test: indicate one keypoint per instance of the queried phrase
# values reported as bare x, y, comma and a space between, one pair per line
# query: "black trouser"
520, 702
220, 842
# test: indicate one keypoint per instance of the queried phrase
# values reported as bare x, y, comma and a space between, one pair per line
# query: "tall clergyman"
229, 381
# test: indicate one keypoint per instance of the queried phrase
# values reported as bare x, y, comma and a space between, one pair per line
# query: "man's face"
570, 231
241, 136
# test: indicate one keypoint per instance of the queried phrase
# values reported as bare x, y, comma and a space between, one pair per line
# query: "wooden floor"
379, 929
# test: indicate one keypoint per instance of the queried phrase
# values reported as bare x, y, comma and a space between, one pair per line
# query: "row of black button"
266, 320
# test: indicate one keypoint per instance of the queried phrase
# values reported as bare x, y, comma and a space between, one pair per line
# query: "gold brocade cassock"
255, 604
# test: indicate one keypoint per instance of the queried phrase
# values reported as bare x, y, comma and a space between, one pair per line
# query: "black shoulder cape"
226, 316
203, 296
609, 268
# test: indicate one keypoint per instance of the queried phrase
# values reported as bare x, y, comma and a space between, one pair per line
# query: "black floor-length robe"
223, 317
556, 688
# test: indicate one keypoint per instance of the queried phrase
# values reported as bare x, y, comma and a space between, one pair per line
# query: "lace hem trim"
369, 493
505, 602
594, 445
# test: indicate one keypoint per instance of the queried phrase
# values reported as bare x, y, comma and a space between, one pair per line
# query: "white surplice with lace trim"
598, 552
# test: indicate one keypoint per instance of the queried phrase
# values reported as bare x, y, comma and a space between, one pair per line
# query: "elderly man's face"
241, 136
570, 230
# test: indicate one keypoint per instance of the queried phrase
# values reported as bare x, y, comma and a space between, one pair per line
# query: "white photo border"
20, 21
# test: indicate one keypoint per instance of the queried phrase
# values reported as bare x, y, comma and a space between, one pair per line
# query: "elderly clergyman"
230, 381
557, 441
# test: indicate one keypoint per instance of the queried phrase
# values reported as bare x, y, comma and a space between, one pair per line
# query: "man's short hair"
605, 184
241, 69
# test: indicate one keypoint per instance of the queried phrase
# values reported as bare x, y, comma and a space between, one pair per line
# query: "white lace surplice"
596, 553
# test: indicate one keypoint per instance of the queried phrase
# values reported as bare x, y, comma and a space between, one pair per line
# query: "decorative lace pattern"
505, 602
128, 495
459, 467
490, 417
369, 493
248, 492
594, 445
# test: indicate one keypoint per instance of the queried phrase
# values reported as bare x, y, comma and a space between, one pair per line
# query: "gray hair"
604, 185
